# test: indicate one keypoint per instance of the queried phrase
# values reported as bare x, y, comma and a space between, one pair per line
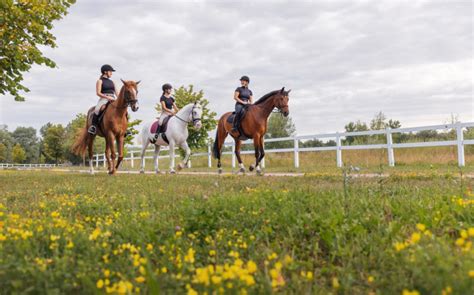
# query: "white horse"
176, 133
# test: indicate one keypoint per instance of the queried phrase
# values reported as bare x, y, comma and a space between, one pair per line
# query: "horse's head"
130, 92
196, 115
281, 101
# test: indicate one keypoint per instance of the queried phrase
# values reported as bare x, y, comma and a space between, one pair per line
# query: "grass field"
323, 234
439, 160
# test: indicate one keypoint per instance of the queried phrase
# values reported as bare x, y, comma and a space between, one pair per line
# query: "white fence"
134, 155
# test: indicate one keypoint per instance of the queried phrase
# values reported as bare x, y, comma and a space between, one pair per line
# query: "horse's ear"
288, 92
138, 82
122, 81
282, 90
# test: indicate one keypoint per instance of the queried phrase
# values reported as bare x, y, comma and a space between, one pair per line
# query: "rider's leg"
238, 115
95, 116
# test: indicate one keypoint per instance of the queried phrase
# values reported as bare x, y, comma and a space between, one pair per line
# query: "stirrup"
92, 130
155, 138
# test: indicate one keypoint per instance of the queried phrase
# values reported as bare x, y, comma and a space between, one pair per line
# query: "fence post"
338, 150
103, 159
460, 139
296, 152
132, 160
233, 155
391, 158
209, 154
262, 163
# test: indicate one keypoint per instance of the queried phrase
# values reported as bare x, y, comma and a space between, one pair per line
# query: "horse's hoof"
142, 171
158, 172
242, 170
180, 166
251, 167
91, 173
172, 172
219, 170
259, 172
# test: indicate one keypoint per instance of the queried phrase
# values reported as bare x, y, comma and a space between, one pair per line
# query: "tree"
354, 127
26, 25
27, 138
197, 138
53, 142
3, 153
18, 154
7, 140
280, 126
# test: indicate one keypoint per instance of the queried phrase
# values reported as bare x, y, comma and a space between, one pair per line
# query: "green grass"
75, 233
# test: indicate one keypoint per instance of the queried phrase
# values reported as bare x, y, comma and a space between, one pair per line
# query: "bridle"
128, 101
193, 119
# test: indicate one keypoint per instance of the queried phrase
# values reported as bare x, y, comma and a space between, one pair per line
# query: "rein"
192, 118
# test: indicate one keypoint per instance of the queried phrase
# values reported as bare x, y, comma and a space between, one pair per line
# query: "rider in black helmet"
243, 96
167, 102
106, 91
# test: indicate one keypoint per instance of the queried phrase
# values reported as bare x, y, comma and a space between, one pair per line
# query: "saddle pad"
154, 127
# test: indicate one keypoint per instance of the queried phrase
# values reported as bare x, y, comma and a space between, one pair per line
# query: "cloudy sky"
343, 60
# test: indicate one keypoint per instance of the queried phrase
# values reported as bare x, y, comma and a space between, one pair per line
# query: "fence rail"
339, 147
134, 151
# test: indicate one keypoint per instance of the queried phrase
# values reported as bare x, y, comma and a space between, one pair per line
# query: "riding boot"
236, 123
95, 122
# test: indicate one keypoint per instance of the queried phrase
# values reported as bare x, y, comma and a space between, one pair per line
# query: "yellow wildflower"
335, 283
420, 227
415, 237
100, 284
139, 279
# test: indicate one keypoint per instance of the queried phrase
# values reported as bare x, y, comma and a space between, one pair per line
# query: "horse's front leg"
120, 140
110, 144
156, 158
261, 155
144, 146
186, 148
171, 150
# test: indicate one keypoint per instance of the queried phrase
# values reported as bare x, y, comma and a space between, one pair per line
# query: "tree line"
280, 126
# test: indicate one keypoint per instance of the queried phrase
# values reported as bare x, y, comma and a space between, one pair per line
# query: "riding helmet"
166, 86
106, 68
245, 78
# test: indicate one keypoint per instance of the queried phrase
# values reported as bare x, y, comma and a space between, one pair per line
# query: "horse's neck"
183, 114
267, 107
120, 104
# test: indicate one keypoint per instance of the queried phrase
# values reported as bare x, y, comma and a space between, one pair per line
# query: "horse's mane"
266, 96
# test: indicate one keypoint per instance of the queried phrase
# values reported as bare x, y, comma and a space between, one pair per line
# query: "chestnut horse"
253, 125
112, 127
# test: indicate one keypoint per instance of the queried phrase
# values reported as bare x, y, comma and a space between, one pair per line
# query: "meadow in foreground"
70, 233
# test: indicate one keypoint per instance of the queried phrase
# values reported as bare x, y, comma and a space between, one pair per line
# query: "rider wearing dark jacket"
243, 96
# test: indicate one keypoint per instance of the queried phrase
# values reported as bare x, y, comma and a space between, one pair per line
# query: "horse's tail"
82, 142
221, 134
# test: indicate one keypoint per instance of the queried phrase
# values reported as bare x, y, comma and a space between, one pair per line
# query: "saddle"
231, 118
102, 113
157, 129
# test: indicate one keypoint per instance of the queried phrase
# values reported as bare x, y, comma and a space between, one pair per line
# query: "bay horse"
176, 135
253, 125
112, 127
